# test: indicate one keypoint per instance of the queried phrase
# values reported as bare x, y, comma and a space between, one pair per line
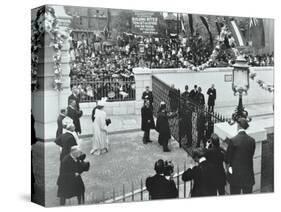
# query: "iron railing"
137, 191
115, 89
192, 124
141, 193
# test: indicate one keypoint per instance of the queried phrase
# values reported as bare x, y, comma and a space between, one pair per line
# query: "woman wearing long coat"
66, 141
100, 143
147, 121
70, 183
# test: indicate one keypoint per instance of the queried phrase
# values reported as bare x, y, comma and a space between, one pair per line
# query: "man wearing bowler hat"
239, 156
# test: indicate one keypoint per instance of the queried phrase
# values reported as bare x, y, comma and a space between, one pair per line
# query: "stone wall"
267, 166
111, 108
263, 157
46, 101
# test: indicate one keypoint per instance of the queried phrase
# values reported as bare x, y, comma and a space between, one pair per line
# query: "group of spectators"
181, 105
98, 70
213, 167
99, 67
261, 60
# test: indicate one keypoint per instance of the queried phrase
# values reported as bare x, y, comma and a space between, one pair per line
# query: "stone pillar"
47, 102
143, 78
224, 130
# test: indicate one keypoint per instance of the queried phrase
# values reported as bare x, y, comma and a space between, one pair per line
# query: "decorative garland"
46, 22
224, 32
215, 52
261, 83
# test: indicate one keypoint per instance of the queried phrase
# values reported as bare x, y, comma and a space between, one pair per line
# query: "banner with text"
144, 23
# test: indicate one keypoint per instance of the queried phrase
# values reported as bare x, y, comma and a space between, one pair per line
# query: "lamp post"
240, 86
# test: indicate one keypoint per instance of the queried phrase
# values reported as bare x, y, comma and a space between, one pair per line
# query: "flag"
106, 32
190, 20
256, 33
182, 24
236, 33
108, 19
204, 21
218, 27
253, 22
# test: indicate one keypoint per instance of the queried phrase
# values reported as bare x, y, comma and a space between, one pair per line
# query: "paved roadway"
127, 162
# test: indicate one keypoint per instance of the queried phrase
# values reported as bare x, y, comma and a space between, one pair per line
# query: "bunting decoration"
261, 83
213, 55
47, 23
224, 32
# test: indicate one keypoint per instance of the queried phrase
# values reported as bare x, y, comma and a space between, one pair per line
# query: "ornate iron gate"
192, 125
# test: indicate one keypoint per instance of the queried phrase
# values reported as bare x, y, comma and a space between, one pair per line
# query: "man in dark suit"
193, 94
75, 115
186, 93
147, 121
200, 99
212, 97
75, 96
163, 127
185, 121
201, 128
215, 155
70, 183
239, 156
60, 118
158, 186
147, 94
202, 175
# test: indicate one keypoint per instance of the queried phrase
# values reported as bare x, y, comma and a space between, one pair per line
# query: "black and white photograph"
138, 105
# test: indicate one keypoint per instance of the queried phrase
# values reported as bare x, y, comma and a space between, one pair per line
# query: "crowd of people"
209, 175
213, 167
105, 68
72, 159
98, 70
99, 67
183, 106
260, 60
130, 50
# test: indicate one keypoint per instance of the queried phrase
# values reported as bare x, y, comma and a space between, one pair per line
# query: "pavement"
130, 123
127, 163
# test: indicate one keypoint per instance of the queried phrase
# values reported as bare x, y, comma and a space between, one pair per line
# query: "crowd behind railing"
94, 60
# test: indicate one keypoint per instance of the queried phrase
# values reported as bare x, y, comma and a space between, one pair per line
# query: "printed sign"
144, 23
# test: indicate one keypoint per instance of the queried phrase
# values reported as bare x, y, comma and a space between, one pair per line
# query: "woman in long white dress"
100, 136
